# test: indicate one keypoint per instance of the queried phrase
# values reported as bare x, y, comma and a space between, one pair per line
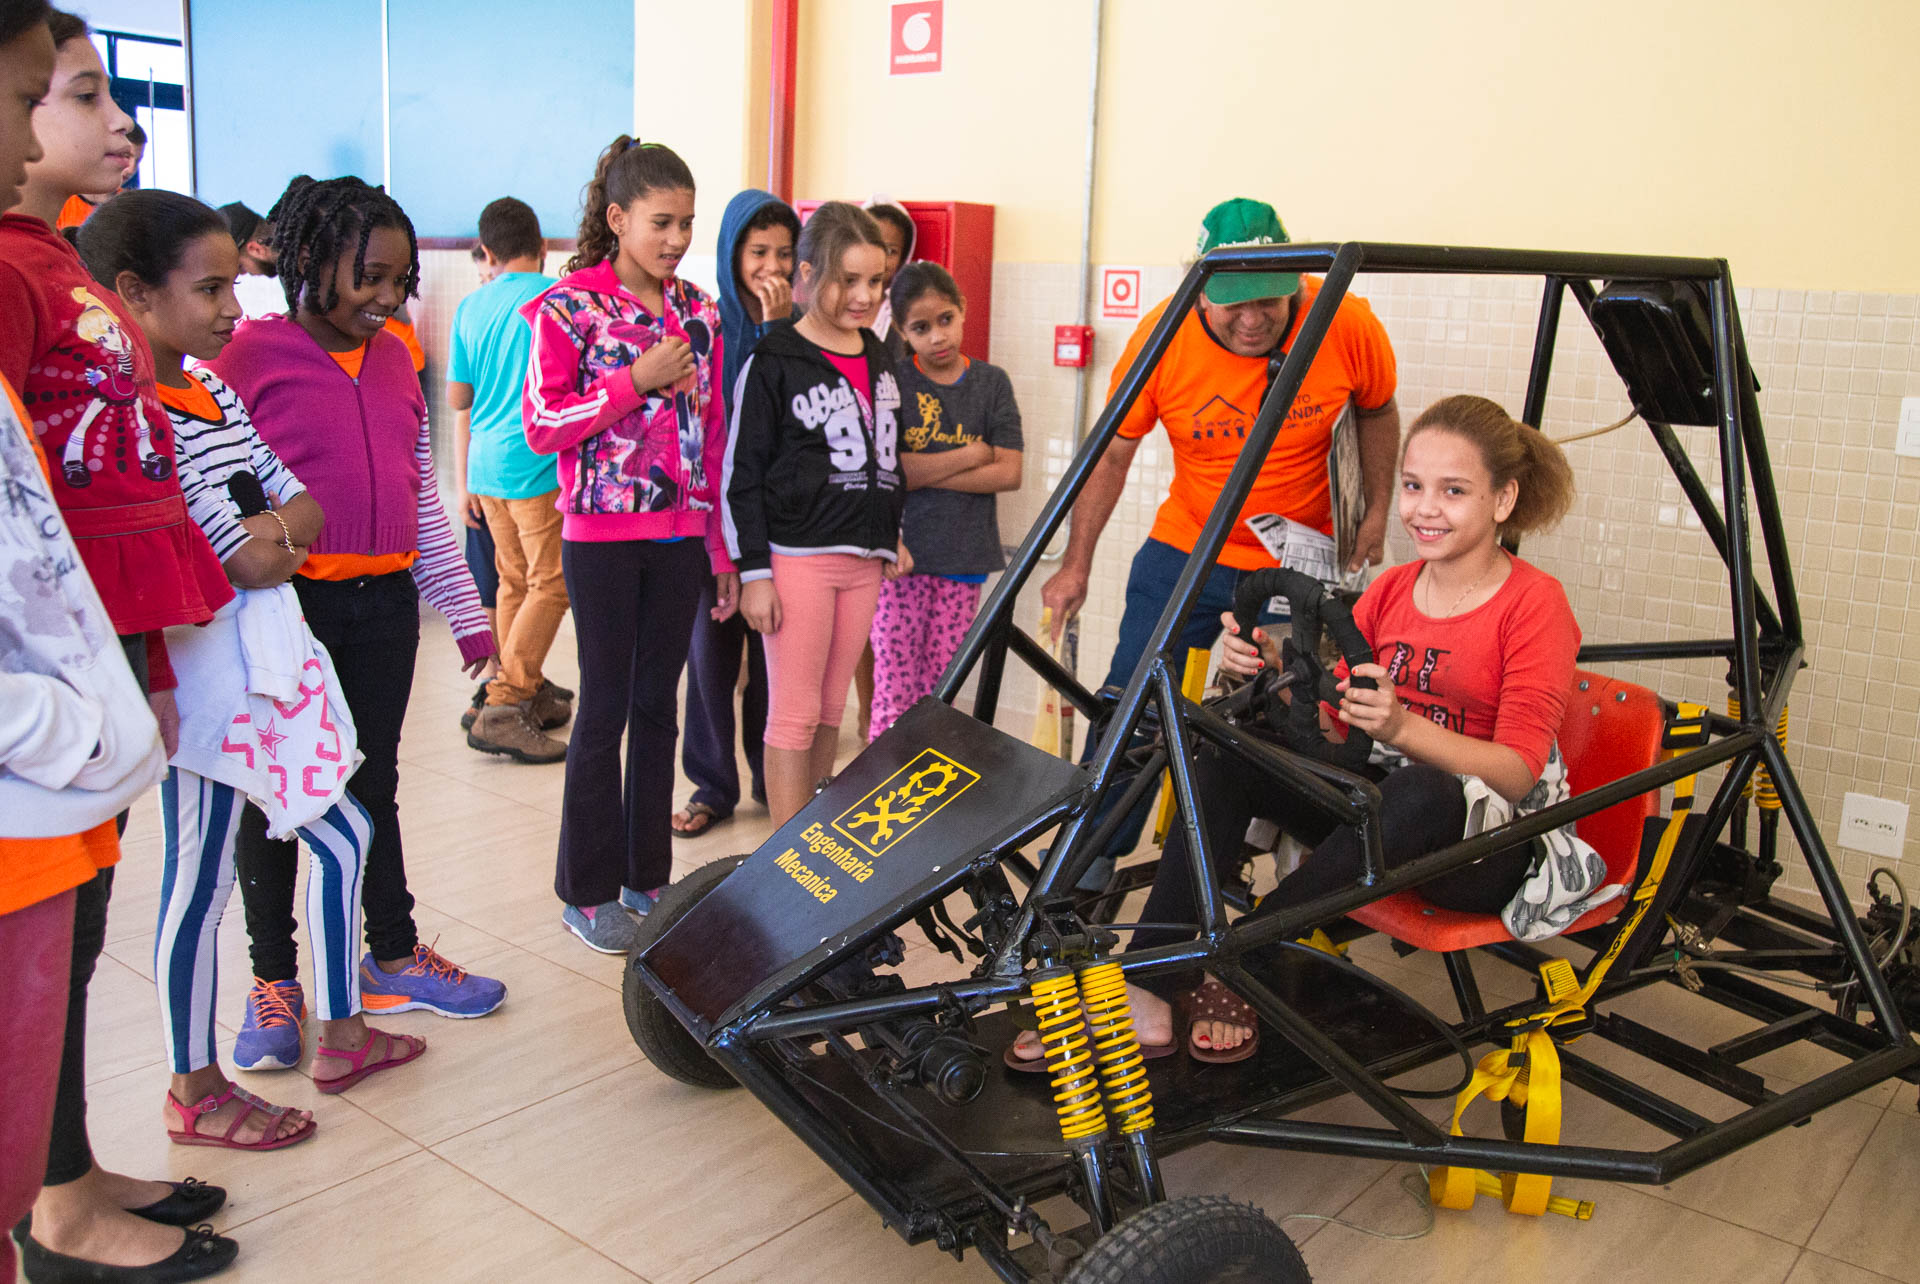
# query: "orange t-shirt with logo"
353, 566
1207, 397
34, 869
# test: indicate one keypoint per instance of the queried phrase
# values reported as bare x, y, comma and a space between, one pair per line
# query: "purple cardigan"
313, 413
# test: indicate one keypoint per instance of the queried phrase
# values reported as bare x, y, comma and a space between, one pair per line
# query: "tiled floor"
539, 1145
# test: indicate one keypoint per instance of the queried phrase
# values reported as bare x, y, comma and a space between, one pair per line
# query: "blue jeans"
1150, 582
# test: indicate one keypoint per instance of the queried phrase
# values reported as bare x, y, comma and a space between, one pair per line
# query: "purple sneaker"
270, 1034
431, 984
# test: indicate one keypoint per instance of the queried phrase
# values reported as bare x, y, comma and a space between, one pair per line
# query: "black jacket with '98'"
813, 465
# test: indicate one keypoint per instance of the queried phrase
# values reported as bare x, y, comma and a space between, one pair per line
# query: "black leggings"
633, 606
69, 1152
371, 628
1422, 810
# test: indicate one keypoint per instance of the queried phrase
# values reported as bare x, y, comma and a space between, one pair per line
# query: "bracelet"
286, 536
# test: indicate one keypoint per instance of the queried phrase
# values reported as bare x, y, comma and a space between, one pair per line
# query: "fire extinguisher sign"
917, 32
1120, 294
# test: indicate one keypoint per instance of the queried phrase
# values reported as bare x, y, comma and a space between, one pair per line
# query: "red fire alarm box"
958, 235
1072, 345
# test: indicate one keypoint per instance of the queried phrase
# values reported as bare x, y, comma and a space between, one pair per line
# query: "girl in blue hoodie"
757, 236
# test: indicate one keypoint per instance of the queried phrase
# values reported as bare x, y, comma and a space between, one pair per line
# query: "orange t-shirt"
194, 399
73, 213
33, 869
1208, 397
403, 330
351, 566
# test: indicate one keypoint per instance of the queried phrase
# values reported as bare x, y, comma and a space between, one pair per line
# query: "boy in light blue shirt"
509, 487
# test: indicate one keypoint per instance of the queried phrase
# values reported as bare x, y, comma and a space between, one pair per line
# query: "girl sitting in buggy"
1479, 648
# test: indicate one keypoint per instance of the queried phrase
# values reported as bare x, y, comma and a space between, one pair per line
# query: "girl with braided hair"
335, 397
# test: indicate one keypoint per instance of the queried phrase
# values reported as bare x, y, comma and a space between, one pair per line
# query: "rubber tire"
1193, 1240
671, 1048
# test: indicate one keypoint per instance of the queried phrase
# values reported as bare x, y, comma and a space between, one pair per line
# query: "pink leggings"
917, 628
36, 950
826, 608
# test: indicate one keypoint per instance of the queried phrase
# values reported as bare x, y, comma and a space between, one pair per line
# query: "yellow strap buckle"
1527, 1075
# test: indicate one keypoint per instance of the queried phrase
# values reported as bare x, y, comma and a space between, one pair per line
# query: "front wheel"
1198, 1239
671, 1048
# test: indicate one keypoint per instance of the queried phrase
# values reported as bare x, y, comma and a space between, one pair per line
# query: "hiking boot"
510, 729
550, 708
473, 709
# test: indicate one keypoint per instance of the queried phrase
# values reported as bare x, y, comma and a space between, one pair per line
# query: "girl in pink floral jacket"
623, 385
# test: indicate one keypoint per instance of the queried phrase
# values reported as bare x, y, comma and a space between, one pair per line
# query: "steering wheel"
1314, 612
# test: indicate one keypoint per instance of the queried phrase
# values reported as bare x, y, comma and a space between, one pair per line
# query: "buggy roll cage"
1763, 651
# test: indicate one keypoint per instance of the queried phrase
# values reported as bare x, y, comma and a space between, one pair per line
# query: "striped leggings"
199, 818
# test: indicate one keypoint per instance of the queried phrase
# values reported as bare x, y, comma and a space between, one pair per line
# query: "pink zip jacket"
631, 467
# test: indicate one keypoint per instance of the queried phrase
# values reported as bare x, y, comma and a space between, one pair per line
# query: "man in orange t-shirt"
1207, 391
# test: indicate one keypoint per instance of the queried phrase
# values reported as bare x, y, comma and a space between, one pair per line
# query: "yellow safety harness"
1527, 1073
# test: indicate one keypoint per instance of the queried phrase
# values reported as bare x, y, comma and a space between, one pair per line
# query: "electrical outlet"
1907, 438
1875, 825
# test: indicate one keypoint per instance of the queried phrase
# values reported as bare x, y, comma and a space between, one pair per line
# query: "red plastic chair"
1611, 729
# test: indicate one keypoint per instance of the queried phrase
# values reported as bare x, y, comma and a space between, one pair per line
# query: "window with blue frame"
147, 77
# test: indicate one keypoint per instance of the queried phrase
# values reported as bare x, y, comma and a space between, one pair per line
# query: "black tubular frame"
1763, 651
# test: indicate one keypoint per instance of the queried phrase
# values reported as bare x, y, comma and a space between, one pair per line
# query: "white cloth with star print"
260, 708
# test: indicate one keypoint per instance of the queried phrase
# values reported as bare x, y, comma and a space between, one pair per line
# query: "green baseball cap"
1245, 222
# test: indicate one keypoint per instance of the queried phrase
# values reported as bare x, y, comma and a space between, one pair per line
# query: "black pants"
371, 628
633, 604
713, 671
1422, 810
69, 1151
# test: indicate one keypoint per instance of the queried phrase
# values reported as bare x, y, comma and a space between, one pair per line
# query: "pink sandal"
189, 1134
1213, 1001
358, 1059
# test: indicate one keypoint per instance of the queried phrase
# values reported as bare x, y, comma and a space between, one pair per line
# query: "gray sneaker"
606, 928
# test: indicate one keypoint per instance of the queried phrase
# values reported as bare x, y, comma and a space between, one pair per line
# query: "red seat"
1611, 729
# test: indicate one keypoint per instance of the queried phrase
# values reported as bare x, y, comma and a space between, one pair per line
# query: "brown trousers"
533, 594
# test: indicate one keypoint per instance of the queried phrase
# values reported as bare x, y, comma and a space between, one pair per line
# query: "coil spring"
1076, 1087
1760, 787
1123, 1070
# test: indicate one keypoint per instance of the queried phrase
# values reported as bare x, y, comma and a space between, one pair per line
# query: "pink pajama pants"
826, 608
917, 627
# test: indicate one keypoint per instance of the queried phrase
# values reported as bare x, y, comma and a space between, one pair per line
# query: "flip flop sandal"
358, 1059
1213, 1001
1038, 1065
189, 1134
696, 811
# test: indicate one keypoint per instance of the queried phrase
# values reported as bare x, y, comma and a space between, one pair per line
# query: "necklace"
1456, 601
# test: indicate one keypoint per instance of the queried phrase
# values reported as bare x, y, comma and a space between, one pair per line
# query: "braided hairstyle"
627, 170
316, 221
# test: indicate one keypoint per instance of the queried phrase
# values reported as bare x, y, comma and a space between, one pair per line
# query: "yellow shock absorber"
1123, 1071
1760, 786
1076, 1087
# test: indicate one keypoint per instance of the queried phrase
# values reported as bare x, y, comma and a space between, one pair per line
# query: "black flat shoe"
192, 1201
203, 1253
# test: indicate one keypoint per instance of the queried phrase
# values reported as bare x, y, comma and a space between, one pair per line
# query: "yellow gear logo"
904, 801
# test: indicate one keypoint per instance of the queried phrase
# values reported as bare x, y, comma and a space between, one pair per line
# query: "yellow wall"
1003, 123
700, 86
1776, 134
